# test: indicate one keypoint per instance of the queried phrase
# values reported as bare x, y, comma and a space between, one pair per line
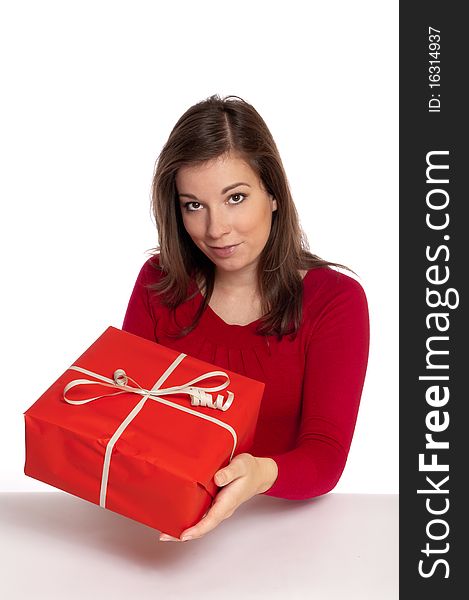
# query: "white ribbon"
200, 396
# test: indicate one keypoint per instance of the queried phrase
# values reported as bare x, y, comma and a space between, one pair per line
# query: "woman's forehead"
217, 172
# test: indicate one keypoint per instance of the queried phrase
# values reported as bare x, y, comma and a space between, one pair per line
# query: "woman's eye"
191, 206
237, 198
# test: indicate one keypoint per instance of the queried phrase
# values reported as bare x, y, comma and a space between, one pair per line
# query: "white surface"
334, 547
90, 92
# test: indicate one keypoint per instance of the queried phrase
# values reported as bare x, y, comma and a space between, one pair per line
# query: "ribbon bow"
200, 396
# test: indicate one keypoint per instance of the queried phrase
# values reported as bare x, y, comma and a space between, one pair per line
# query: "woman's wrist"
268, 473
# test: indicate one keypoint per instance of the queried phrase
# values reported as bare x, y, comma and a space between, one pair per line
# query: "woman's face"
226, 211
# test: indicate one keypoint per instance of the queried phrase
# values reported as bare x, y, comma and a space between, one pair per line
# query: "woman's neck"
236, 282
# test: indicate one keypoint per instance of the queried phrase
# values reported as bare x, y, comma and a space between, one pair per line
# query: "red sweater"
313, 384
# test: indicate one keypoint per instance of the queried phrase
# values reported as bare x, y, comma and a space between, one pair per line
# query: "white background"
90, 92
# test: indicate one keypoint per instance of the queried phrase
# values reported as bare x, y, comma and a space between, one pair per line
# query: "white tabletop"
339, 546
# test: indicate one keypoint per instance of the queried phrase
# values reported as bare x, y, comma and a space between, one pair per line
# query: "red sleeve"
139, 317
335, 367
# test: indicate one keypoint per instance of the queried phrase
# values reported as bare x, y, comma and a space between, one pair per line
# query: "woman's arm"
335, 367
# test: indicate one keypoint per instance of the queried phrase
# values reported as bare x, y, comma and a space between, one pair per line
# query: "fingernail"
165, 538
186, 538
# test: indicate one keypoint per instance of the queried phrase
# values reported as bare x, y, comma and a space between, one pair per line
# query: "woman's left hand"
243, 478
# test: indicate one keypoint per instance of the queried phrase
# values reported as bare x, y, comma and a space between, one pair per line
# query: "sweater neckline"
218, 318
248, 326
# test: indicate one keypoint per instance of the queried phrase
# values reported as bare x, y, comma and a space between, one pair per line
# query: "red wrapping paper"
162, 465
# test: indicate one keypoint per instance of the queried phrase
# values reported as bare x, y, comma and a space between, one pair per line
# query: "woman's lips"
224, 251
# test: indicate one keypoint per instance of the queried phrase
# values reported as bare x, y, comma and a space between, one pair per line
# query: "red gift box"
141, 429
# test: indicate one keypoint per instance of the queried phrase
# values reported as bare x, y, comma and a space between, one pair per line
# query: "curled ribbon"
200, 396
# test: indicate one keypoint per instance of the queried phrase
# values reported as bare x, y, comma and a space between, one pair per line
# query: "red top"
313, 384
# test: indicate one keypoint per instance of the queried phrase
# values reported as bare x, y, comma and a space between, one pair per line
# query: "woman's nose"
217, 225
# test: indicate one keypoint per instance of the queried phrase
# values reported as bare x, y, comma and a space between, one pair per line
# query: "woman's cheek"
192, 225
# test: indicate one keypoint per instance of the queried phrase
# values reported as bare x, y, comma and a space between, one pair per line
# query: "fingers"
164, 537
219, 511
236, 468
226, 501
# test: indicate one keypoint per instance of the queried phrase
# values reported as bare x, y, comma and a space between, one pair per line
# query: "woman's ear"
274, 204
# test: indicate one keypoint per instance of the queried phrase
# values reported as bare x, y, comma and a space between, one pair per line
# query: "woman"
234, 284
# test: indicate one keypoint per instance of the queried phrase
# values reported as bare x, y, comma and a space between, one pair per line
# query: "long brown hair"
208, 130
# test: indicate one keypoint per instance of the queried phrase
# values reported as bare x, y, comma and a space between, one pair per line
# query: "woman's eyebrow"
224, 190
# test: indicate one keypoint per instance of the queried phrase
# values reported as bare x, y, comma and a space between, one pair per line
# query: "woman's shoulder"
151, 269
325, 286
330, 277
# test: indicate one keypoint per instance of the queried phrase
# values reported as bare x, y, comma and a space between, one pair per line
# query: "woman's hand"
245, 477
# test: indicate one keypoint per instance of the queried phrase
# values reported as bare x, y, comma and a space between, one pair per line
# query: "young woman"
233, 283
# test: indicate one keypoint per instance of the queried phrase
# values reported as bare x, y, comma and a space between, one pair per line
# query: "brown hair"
208, 130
